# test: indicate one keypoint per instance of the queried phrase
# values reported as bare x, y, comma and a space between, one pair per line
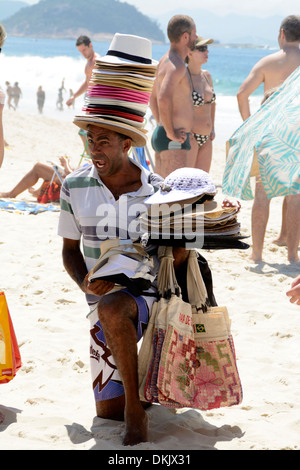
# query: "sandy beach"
49, 405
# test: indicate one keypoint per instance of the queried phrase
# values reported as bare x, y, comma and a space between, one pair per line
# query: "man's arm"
82, 89
252, 82
168, 89
153, 102
76, 268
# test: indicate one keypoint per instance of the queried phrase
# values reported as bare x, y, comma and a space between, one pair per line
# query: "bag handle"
196, 289
167, 284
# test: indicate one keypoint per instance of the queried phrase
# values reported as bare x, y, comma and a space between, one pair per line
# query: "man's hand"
178, 134
294, 292
98, 287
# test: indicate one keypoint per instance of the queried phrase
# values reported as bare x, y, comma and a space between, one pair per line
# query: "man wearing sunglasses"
171, 99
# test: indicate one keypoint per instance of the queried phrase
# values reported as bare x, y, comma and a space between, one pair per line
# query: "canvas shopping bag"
169, 302
198, 364
10, 358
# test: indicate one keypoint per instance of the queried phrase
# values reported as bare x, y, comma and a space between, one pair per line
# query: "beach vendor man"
272, 71
171, 99
115, 181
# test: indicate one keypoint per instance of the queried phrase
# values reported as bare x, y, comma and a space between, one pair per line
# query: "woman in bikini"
204, 106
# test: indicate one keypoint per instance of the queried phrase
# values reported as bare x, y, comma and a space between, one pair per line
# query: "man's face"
192, 39
106, 150
86, 51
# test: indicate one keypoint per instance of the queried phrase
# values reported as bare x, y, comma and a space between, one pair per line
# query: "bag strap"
167, 284
196, 289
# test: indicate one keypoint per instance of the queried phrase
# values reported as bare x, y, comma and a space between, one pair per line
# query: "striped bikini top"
198, 99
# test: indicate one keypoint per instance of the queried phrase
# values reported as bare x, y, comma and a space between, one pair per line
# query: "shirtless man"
85, 47
171, 100
272, 71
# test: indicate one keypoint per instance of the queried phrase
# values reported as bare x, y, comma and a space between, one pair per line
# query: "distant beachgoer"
171, 99
73, 101
17, 93
85, 47
41, 95
60, 100
39, 171
294, 291
9, 92
2, 101
204, 98
272, 71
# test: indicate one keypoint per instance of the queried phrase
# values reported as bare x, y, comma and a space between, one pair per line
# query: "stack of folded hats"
184, 210
120, 87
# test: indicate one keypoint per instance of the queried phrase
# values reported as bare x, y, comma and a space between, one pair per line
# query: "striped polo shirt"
89, 211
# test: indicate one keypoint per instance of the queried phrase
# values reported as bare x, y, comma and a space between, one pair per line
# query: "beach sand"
50, 404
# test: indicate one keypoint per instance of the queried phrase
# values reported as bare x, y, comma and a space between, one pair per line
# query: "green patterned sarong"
274, 132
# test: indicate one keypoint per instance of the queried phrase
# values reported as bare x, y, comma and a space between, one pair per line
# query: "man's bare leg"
293, 227
157, 168
171, 160
40, 170
117, 313
259, 220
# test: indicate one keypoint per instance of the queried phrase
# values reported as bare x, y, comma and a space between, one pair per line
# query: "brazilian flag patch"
200, 328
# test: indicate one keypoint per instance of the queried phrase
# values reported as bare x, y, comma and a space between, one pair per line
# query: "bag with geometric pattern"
198, 367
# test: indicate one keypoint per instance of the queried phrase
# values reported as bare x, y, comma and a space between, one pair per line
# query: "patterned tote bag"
169, 304
198, 366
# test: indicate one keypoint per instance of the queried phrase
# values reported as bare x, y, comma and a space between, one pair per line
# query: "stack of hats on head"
120, 87
184, 211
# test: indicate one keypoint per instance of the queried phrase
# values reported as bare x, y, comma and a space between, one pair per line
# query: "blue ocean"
50, 62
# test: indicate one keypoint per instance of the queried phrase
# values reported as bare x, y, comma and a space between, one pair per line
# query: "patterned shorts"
107, 382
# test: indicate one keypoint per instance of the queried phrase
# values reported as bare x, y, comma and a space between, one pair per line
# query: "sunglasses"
201, 48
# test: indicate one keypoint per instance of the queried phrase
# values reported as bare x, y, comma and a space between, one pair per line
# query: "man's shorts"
107, 382
161, 142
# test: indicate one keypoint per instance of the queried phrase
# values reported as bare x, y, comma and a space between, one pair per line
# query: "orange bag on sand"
50, 192
10, 357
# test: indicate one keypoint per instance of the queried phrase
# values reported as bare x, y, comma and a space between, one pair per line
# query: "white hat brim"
175, 195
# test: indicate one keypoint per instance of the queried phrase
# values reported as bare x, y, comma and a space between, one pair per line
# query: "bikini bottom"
161, 142
201, 139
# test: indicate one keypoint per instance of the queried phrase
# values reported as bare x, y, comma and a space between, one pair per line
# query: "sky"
257, 8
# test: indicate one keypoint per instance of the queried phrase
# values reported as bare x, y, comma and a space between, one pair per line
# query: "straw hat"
138, 136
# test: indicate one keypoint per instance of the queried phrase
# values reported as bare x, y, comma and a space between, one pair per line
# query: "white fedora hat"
129, 49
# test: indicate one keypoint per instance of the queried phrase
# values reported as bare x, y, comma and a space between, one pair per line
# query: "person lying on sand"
39, 171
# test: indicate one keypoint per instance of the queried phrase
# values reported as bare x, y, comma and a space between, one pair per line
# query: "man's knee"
116, 305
